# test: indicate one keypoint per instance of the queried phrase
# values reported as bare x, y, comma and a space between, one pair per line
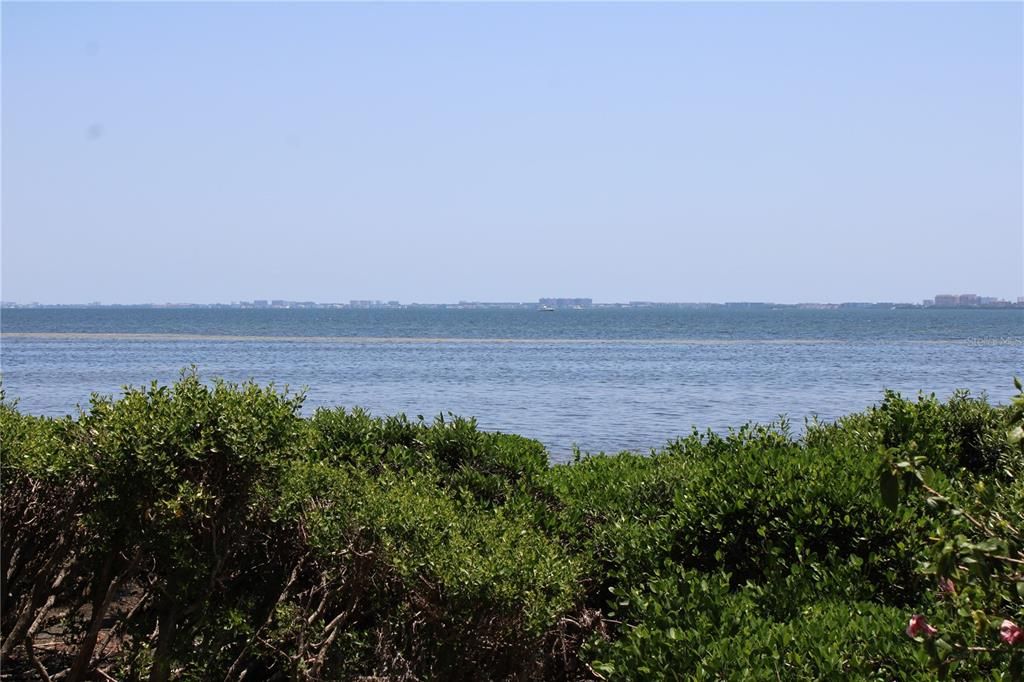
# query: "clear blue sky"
435, 152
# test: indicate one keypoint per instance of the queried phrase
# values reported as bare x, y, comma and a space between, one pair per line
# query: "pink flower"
918, 627
946, 587
1010, 632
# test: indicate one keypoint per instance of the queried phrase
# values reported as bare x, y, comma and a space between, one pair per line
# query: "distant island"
940, 301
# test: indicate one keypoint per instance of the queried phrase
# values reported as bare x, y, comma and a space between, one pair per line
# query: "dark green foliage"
720, 548
962, 436
695, 626
210, 532
976, 527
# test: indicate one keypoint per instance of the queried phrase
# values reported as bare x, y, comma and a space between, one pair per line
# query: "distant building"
492, 305
947, 300
746, 305
375, 303
566, 302
968, 299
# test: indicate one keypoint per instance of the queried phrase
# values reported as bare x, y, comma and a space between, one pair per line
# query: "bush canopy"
209, 531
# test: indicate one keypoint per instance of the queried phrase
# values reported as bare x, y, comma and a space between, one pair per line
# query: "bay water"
602, 379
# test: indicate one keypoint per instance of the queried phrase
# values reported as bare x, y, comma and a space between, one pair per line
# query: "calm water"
602, 379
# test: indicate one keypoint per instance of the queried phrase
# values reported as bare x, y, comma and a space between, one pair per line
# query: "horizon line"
557, 302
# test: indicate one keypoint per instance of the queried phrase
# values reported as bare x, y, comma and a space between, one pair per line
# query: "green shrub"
976, 525
203, 531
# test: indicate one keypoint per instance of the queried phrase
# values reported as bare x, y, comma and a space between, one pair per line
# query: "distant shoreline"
1006, 305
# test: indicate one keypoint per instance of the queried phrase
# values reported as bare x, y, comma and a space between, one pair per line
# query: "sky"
205, 152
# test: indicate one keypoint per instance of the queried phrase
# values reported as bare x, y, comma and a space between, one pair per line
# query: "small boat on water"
546, 309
